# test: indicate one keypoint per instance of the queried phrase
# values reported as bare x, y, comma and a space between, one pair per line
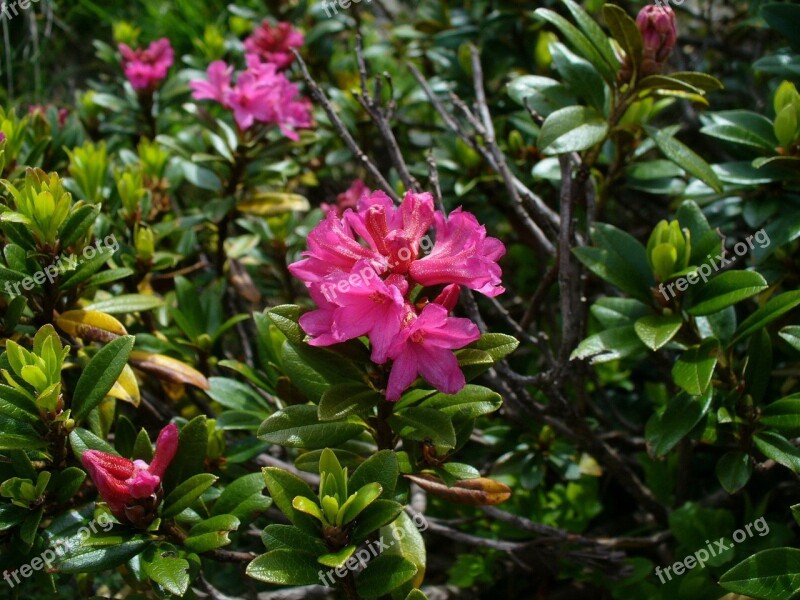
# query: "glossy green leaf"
772, 574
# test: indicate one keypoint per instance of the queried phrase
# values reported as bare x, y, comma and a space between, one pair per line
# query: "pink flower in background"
121, 482
41, 109
2, 137
425, 347
260, 95
362, 266
462, 254
347, 199
218, 85
274, 44
147, 68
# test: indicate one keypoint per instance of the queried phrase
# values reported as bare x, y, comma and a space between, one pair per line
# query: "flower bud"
668, 249
659, 34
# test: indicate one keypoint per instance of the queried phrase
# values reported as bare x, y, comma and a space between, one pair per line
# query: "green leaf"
471, 402
344, 399
783, 415
284, 487
82, 440
624, 30
358, 502
580, 42
239, 493
772, 574
337, 559
93, 559
298, 427
608, 345
378, 514
200, 177
733, 470
724, 290
620, 259
684, 157
168, 571
496, 345
663, 432
276, 537
285, 567
572, 129
421, 424
99, 375
693, 370
67, 483
186, 493
381, 468
779, 449
407, 542
126, 303
772, 310
211, 533
191, 456
594, 32
657, 330
384, 574
579, 75
792, 336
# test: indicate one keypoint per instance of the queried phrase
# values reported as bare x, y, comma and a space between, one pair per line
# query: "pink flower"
218, 85
274, 44
2, 137
364, 305
124, 484
147, 68
425, 347
332, 248
347, 199
260, 95
462, 254
362, 267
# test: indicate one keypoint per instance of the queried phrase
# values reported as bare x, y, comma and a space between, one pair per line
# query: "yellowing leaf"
170, 369
480, 491
90, 325
126, 388
268, 204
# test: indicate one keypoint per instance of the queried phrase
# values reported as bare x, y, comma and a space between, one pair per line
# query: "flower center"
417, 337
378, 297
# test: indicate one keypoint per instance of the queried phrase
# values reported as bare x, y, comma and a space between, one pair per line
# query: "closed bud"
659, 35
668, 249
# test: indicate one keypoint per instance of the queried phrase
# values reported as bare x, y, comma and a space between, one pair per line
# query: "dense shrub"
458, 300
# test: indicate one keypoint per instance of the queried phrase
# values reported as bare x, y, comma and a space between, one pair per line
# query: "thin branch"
341, 129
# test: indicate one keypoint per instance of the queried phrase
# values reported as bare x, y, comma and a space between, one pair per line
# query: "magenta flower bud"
659, 33
2, 137
274, 44
132, 489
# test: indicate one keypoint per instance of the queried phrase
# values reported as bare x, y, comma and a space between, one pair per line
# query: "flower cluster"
274, 44
132, 489
147, 68
261, 94
364, 267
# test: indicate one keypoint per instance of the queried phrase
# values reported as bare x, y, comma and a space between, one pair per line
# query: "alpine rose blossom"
147, 68
260, 95
274, 44
128, 486
659, 36
364, 262
424, 347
